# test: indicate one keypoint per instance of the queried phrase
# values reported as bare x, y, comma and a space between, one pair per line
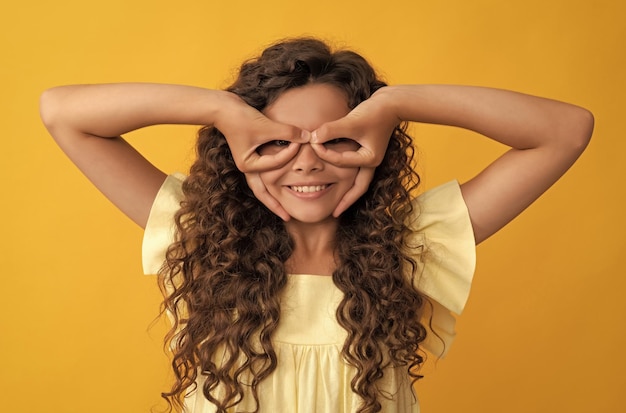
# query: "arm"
87, 122
545, 137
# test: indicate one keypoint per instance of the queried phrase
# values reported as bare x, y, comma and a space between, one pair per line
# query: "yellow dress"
311, 375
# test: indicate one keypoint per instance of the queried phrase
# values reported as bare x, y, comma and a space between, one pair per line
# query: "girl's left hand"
370, 124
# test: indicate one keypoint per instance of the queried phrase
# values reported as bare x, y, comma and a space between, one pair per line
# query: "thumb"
340, 128
291, 133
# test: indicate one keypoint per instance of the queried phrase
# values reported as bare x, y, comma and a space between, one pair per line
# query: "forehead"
309, 106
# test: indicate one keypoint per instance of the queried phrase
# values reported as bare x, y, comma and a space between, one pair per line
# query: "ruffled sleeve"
160, 228
445, 248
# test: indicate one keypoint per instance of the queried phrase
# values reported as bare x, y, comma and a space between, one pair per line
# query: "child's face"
307, 187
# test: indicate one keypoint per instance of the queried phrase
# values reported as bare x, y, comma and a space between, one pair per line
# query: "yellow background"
544, 328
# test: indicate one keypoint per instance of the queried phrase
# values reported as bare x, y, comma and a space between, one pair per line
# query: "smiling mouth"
309, 188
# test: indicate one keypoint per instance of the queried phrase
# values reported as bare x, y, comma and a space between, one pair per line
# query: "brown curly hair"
223, 276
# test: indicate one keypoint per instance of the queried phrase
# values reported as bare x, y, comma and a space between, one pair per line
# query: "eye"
272, 147
342, 145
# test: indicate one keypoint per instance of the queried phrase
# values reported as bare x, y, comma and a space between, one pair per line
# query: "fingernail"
314, 136
305, 135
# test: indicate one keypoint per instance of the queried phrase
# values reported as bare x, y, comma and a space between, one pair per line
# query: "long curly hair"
224, 272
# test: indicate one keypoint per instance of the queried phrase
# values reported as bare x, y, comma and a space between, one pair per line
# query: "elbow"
48, 108
581, 124
573, 132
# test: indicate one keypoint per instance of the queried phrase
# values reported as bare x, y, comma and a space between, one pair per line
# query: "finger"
248, 159
290, 133
282, 132
363, 157
260, 163
260, 192
361, 184
257, 163
341, 128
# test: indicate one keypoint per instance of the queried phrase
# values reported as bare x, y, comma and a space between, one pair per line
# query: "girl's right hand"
246, 129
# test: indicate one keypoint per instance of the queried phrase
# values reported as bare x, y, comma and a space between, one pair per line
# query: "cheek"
270, 179
348, 176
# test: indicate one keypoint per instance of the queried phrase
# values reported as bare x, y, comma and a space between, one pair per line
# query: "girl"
299, 273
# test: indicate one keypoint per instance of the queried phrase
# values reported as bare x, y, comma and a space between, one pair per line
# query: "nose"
306, 160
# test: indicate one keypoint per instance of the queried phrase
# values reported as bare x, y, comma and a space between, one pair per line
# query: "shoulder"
442, 241
444, 248
160, 228
441, 212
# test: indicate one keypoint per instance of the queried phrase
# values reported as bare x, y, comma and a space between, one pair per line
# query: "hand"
261, 193
370, 124
246, 129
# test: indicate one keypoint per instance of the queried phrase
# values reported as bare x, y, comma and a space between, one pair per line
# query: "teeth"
312, 188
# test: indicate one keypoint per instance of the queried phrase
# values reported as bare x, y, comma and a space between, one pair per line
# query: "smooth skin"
545, 137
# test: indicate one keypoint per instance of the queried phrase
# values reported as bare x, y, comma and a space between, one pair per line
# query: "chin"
312, 219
